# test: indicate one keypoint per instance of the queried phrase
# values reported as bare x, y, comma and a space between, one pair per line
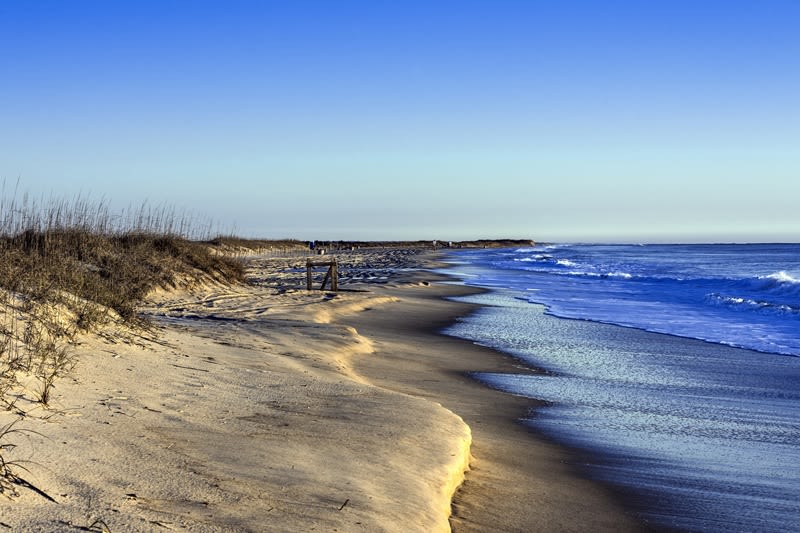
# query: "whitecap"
618, 274
623, 275
747, 304
782, 277
535, 259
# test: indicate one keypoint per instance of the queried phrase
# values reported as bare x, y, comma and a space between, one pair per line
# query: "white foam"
782, 277
619, 274
623, 275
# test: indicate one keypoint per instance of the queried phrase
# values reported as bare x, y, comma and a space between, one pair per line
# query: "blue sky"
551, 120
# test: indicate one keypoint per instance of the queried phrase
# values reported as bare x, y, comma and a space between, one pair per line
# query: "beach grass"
68, 267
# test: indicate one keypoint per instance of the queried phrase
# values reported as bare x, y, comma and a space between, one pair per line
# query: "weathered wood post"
332, 274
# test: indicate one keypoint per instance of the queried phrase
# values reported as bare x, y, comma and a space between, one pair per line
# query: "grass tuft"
68, 267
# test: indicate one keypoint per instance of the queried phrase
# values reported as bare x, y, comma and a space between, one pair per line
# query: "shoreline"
519, 480
662, 418
187, 427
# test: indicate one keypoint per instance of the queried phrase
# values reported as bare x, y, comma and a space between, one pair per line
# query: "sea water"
677, 367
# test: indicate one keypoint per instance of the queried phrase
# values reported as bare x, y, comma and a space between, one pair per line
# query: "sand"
266, 408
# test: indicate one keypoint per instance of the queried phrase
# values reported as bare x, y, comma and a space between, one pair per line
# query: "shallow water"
706, 436
740, 295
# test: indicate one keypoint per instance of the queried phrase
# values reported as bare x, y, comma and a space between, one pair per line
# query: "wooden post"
332, 274
326, 278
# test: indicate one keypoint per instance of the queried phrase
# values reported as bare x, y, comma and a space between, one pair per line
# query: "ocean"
676, 368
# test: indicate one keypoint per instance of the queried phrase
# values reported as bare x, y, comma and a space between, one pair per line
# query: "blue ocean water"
680, 371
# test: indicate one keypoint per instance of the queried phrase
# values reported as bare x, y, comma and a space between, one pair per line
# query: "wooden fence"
332, 274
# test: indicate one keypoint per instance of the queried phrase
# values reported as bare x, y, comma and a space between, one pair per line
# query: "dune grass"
65, 266
68, 267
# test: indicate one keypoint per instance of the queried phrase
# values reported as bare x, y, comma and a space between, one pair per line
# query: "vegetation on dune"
71, 266
233, 242
68, 267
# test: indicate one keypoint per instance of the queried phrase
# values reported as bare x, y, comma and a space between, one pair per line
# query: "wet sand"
518, 481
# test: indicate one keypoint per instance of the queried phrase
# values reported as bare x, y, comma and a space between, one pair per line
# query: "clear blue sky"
554, 120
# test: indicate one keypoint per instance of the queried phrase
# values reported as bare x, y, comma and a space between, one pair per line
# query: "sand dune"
240, 412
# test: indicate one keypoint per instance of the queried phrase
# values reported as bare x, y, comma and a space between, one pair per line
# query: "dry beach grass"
69, 268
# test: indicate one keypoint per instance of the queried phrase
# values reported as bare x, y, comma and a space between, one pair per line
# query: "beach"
268, 407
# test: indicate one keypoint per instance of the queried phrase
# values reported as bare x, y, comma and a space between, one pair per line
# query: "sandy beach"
271, 408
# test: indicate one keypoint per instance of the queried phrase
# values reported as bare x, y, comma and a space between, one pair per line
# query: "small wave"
623, 275
782, 277
779, 283
538, 258
537, 249
747, 304
602, 275
566, 262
